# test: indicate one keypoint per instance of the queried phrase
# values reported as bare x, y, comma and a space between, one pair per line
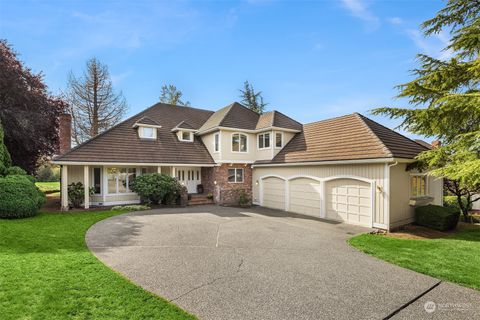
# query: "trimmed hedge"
19, 197
437, 217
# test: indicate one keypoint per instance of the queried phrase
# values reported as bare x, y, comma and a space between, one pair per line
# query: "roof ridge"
283, 114
328, 119
372, 133
230, 106
397, 133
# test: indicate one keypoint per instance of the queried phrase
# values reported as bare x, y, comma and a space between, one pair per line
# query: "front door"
189, 177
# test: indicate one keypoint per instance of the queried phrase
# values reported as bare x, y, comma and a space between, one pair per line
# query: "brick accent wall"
224, 192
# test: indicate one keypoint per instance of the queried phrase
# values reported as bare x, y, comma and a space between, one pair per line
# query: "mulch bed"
421, 233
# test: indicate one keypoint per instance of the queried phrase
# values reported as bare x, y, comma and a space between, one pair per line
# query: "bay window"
264, 141
278, 140
239, 142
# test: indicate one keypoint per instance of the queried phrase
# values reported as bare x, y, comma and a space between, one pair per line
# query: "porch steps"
199, 199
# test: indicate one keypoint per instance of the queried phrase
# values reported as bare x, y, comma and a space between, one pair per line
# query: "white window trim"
140, 133
217, 134
410, 185
231, 142
118, 193
275, 140
269, 138
190, 134
243, 175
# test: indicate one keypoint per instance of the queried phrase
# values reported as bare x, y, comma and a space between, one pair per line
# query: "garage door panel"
304, 196
349, 200
274, 193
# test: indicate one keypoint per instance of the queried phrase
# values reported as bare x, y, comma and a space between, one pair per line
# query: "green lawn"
49, 187
455, 258
47, 272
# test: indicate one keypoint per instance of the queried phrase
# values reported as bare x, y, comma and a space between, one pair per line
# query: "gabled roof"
183, 125
351, 137
121, 143
240, 117
277, 119
146, 121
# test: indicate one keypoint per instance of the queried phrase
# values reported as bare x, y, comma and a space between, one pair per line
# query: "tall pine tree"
446, 101
251, 99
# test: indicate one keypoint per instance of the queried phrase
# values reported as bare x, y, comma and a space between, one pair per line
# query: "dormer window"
186, 136
147, 132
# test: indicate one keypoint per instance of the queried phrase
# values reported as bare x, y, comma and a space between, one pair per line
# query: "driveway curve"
257, 263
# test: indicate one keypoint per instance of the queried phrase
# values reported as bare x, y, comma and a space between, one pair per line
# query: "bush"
48, 173
451, 202
134, 207
19, 197
15, 171
243, 199
437, 217
76, 194
156, 188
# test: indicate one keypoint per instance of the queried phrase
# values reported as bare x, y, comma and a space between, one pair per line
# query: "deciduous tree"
29, 113
446, 101
94, 105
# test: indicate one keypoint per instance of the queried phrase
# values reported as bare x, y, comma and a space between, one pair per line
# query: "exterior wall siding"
375, 172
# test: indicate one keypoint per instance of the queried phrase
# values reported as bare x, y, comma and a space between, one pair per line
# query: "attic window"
186, 136
147, 132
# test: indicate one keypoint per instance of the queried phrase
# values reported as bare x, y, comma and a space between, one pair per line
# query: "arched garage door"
349, 200
274, 193
304, 196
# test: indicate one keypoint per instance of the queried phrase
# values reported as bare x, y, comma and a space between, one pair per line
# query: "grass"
49, 187
455, 258
47, 272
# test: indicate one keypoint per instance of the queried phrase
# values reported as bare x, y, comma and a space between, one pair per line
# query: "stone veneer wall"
224, 192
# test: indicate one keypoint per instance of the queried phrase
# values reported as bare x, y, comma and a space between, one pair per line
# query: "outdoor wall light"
256, 183
379, 189
215, 182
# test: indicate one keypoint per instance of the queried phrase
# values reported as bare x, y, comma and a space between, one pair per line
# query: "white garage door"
304, 196
274, 193
350, 201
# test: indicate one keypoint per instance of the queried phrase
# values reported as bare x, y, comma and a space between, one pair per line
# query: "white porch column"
173, 172
159, 169
86, 186
64, 190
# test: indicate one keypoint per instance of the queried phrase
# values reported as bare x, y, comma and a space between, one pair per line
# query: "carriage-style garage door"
350, 201
274, 193
304, 196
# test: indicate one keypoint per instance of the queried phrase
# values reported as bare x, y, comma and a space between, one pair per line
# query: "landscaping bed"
47, 272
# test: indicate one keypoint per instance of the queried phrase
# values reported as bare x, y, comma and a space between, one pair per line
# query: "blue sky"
312, 59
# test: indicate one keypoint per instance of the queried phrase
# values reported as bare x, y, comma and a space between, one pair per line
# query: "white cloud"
359, 9
395, 20
433, 46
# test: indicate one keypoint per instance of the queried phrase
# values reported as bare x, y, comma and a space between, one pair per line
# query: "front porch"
111, 182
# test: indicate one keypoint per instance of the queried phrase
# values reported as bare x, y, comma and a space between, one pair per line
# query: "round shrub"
437, 217
156, 188
19, 197
16, 171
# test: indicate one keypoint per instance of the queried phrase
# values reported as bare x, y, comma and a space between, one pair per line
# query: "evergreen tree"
251, 99
446, 100
171, 95
5, 160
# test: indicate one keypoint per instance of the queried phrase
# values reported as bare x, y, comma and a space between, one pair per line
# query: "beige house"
349, 169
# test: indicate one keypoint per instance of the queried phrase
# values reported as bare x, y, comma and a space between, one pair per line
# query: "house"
349, 168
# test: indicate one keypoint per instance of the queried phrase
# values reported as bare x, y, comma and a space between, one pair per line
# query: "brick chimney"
436, 143
65, 133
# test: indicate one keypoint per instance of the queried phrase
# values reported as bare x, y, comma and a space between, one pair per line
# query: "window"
119, 179
235, 175
239, 142
186, 136
264, 141
216, 142
97, 178
278, 140
147, 132
418, 186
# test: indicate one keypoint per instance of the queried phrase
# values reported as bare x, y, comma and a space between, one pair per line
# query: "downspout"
387, 192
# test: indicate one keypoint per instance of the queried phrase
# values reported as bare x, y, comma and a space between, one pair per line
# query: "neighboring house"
349, 168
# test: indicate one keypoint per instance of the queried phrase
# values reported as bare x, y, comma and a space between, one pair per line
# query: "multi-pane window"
235, 175
418, 185
97, 180
239, 142
147, 132
118, 179
264, 141
278, 140
216, 142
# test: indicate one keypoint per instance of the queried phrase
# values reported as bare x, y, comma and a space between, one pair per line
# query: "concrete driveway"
257, 263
